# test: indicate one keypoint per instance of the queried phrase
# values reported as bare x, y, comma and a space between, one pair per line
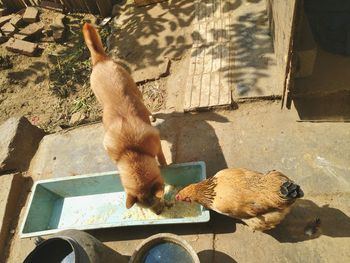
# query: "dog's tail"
94, 44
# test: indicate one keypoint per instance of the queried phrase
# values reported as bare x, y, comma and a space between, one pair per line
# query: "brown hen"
260, 200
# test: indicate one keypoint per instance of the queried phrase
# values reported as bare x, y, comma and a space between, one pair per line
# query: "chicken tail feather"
290, 190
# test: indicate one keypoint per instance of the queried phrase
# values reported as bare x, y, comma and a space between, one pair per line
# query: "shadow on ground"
192, 138
26, 186
213, 256
35, 72
334, 223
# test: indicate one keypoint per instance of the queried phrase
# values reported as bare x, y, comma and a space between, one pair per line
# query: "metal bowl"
164, 247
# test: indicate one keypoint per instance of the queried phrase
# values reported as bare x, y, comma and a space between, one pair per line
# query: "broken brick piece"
22, 47
31, 14
5, 19
32, 29
16, 20
8, 29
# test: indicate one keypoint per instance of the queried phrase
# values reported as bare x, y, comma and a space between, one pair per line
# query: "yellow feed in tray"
173, 210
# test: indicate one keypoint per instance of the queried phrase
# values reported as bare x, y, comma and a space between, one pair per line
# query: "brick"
22, 47
32, 29
17, 20
10, 195
31, 15
8, 29
5, 19
19, 140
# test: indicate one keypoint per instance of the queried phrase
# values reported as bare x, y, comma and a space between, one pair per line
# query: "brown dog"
130, 140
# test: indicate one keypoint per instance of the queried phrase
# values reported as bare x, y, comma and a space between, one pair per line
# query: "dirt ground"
50, 88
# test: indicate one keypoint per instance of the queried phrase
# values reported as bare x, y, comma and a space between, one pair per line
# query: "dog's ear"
130, 201
158, 190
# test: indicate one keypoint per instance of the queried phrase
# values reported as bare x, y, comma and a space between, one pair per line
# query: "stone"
32, 30
19, 140
57, 153
8, 29
31, 14
11, 186
17, 20
5, 19
22, 47
77, 118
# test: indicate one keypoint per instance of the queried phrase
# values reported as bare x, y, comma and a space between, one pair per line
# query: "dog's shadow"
334, 222
192, 138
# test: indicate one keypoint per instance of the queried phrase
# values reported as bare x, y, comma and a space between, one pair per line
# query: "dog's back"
130, 140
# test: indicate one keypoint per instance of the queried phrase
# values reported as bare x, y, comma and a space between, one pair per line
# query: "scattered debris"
312, 227
31, 15
11, 24
19, 140
22, 47
17, 20
105, 21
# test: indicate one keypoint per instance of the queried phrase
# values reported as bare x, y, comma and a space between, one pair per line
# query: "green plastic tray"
97, 201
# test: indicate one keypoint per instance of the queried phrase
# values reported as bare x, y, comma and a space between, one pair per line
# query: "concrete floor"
258, 136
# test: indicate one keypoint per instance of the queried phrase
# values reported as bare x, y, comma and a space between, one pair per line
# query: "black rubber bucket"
73, 246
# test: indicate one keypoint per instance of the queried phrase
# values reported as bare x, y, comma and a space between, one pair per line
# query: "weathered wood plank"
281, 15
